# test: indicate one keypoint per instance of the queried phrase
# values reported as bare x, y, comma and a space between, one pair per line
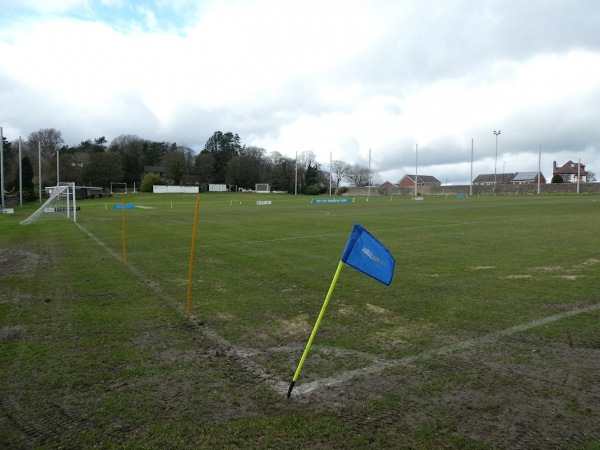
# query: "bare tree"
339, 172
358, 176
591, 176
306, 159
375, 179
50, 139
257, 153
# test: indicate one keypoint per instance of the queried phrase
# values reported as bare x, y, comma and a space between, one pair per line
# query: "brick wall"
504, 189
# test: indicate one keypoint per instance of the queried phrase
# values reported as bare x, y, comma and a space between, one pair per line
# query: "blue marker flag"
369, 256
366, 254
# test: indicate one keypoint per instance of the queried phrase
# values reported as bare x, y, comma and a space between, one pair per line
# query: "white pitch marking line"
490, 337
280, 386
243, 355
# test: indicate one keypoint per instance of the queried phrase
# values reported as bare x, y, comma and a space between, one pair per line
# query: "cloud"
42, 6
333, 77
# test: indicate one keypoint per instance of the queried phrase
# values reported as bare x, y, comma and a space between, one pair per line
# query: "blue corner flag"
367, 255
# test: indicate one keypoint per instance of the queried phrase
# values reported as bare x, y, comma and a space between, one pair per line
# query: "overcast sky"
335, 77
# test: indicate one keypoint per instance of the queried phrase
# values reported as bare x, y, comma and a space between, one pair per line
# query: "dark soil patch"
520, 391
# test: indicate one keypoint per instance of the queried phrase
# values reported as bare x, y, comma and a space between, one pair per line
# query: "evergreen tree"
8, 158
223, 146
103, 169
130, 148
6, 146
174, 162
26, 174
204, 167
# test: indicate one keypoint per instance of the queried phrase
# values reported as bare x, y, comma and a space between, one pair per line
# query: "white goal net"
262, 188
118, 188
60, 205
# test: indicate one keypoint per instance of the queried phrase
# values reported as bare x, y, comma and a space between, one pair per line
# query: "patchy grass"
98, 353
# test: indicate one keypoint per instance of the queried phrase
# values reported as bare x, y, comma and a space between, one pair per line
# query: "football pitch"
487, 337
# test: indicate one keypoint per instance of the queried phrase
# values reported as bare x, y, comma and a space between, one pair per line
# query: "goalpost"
59, 205
262, 188
118, 188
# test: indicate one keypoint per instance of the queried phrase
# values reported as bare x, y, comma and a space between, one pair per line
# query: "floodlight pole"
57, 167
471, 183
296, 176
578, 173
2, 166
369, 178
539, 169
416, 168
20, 175
330, 172
40, 169
496, 160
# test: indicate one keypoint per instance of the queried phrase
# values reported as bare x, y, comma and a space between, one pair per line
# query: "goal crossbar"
118, 187
60, 204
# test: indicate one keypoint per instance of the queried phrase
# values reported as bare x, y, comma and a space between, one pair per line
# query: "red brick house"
528, 178
569, 172
422, 180
490, 179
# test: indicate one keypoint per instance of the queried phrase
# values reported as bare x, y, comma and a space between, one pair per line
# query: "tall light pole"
539, 169
496, 160
2, 167
416, 167
503, 170
471, 181
330, 172
57, 167
20, 175
369, 183
578, 173
40, 169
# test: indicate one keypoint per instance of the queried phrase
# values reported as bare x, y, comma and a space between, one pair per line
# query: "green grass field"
488, 336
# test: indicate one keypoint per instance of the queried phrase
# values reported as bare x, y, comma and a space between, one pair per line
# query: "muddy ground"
521, 391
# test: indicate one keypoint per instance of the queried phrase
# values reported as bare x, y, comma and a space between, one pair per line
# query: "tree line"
127, 158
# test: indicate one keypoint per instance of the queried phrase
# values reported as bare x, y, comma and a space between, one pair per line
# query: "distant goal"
118, 188
262, 188
60, 205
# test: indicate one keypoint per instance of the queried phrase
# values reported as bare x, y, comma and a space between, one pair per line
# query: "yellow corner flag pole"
189, 296
314, 331
124, 239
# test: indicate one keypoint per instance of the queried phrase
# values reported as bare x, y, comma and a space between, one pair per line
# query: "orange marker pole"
189, 297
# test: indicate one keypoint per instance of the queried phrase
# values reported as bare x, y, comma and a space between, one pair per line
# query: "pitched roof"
422, 178
429, 179
570, 167
490, 177
525, 176
387, 184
